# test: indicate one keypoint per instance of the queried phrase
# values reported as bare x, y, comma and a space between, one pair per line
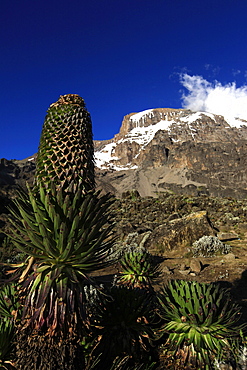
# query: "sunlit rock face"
175, 149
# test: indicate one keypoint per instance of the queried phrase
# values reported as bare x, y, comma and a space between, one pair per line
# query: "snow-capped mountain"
139, 129
176, 147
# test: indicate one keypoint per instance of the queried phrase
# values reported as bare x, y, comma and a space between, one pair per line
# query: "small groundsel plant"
209, 246
200, 323
138, 268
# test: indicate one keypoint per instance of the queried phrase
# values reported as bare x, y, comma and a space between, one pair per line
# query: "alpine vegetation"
209, 246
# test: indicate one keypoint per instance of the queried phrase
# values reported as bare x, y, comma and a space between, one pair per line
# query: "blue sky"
121, 56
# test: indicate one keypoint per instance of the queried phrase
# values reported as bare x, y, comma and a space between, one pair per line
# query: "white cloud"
227, 100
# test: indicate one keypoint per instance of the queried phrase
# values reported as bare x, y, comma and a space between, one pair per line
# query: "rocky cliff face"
174, 149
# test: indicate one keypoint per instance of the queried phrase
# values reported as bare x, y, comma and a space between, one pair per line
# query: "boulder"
181, 232
230, 257
227, 236
195, 266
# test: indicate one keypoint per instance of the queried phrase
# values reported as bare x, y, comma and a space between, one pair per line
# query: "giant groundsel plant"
64, 226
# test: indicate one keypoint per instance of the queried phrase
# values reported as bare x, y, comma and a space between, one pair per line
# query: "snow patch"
190, 118
235, 122
137, 116
105, 155
143, 135
105, 158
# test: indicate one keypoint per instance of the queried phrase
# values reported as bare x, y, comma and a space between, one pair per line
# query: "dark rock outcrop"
14, 172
